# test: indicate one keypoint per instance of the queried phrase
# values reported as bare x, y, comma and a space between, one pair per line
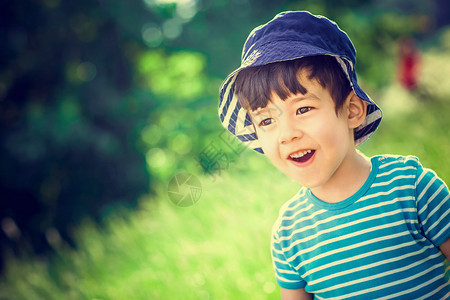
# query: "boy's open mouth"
302, 157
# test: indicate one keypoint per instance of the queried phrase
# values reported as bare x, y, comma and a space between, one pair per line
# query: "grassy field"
219, 247
215, 249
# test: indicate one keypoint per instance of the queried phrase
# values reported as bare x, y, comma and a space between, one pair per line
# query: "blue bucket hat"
288, 36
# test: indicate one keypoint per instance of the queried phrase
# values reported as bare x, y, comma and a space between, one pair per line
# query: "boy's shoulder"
290, 208
293, 209
400, 162
400, 159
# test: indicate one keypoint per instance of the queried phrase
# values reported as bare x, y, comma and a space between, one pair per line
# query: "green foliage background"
103, 102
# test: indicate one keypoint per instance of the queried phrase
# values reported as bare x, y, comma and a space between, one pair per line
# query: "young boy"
359, 228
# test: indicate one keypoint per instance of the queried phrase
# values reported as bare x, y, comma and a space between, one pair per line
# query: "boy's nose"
289, 132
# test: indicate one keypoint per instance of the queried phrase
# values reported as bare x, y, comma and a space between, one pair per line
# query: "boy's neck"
351, 176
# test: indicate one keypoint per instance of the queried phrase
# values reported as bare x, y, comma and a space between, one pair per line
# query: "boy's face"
304, 137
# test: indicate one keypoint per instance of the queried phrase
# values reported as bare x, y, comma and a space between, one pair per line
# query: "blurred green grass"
218, 248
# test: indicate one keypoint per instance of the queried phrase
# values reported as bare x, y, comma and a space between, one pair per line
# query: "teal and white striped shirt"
380, 243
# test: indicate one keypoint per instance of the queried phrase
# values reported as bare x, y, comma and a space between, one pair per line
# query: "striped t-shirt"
380, 243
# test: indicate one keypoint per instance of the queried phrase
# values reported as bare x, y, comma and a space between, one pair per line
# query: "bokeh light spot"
269, 287
86, 71
181, 143
172, 28
152, 35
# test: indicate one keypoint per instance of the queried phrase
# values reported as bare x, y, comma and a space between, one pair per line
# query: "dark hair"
254, 85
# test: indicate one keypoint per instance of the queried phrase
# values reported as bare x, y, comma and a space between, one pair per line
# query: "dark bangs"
254, 85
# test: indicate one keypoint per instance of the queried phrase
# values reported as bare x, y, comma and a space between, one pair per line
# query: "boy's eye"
266, 122
303, 110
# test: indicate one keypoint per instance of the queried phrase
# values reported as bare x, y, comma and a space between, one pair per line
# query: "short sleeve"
433, 205
287, 277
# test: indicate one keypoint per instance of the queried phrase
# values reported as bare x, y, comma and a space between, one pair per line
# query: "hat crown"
304, 28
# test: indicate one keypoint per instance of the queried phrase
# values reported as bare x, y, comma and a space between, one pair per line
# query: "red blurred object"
409, 64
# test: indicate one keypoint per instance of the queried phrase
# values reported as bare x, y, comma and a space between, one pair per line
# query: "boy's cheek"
269, 146
265, 137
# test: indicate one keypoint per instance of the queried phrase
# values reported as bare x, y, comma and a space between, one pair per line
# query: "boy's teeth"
300, 154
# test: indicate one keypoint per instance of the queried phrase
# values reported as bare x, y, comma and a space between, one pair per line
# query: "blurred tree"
69, 120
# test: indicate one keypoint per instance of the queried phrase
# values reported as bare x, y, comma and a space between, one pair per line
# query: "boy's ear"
357, 110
